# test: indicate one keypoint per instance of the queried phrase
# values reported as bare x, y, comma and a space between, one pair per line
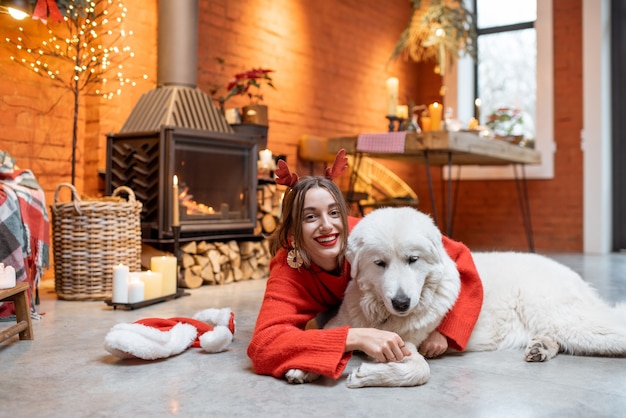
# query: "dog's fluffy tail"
601, 332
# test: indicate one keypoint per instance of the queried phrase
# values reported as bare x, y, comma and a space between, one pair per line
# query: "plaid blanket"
24, 225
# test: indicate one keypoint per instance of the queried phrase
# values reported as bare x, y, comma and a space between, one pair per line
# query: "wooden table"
443, 148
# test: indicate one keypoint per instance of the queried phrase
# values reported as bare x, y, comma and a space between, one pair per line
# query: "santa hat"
155, 338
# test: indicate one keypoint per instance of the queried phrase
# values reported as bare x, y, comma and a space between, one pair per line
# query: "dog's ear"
352, 257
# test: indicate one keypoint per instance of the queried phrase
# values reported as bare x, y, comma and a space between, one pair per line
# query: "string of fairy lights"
84, 53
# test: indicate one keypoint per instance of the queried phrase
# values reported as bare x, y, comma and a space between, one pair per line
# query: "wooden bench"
24, 327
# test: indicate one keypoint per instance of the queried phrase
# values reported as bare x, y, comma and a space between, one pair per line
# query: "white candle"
168, 269
7, 277
135, 288
402, 111
153, 284
175, 215
265, 156
120, 284
392, 95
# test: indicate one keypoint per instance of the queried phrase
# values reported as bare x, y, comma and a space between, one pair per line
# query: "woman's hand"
434, 345
384, 346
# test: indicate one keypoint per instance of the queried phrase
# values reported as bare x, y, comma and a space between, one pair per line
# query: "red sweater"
293, 297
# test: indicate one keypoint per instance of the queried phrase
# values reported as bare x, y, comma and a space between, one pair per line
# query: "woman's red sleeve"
280, 343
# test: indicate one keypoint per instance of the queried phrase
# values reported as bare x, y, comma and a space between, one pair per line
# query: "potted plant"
438, 29
507, 123
250, 83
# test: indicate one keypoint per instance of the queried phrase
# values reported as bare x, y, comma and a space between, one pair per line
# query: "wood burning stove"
175, 129
217, 175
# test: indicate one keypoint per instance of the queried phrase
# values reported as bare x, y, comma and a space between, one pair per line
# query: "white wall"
596, 134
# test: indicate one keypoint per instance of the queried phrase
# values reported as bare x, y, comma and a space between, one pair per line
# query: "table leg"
522, 192
430, 187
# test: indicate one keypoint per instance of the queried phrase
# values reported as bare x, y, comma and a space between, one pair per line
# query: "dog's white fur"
398, 261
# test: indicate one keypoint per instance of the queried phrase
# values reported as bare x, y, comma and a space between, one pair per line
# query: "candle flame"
175, 180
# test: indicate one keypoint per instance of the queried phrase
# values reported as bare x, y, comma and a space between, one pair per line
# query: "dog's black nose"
401, 302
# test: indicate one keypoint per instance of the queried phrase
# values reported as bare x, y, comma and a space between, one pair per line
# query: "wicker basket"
90, 237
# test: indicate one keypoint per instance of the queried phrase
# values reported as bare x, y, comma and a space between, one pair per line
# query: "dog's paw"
297, 376
411, 371
367, 374
541, 349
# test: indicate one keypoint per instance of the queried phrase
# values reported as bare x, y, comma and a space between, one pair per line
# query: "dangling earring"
294, 259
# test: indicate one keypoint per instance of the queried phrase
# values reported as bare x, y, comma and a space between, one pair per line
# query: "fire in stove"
217, 174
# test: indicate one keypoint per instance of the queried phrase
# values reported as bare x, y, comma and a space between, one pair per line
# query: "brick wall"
331, 63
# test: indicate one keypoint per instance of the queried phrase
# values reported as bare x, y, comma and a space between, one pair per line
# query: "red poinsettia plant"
249, 83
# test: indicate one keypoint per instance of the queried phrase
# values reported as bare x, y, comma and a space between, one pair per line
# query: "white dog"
404, 281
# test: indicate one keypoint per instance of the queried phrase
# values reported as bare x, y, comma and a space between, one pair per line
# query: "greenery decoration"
437, 29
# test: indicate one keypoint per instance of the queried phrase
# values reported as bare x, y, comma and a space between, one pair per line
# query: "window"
514, 69
507, 61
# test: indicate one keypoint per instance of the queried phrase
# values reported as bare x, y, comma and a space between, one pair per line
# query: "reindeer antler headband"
289, 179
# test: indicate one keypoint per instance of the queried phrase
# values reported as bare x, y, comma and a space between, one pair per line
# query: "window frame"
464, 82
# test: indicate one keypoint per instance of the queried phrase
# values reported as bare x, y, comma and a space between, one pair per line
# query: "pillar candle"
266, 157
435, 116
402, 111
392, 96
425, 123
7, 277
153, 284
120, 284
136, 288
175, 215
168, 268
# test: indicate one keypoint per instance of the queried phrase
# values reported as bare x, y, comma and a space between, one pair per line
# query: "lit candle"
7, 277
435, 116
477, 111
153, 284
266, 158
425, 123
402, 111
175, 215
392, 95
136, 288
472, 124
168, 268
120, 284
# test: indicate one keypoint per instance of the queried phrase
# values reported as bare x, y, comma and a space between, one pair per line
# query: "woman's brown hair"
293, 211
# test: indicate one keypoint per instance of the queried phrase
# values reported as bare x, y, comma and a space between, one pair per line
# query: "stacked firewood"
223, 262
269, 201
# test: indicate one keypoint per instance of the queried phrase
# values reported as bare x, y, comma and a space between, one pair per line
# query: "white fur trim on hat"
217, 340
214, 316
137, 340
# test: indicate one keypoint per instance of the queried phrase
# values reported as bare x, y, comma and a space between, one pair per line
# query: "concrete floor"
65, 371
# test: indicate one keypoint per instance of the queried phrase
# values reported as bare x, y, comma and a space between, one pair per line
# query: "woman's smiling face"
322, 228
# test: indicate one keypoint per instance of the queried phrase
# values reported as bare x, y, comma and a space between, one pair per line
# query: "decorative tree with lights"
84, 53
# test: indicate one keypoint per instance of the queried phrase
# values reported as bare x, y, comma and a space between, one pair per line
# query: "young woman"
308, 277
